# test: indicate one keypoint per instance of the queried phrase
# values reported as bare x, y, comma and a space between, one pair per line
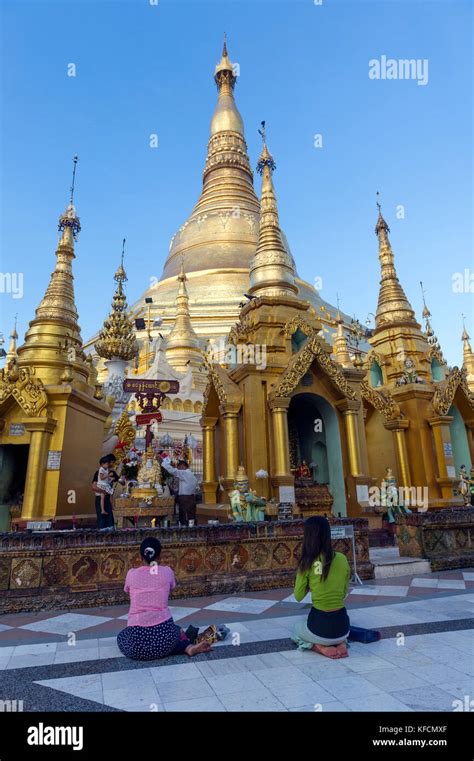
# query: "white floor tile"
254, 701
327, 707
348, 687
175, 672
88, 686
68, 622
387, 590
242, 605
393, 679
179, 612
227, 684
209, 705
422, 699
305, 601
185, 689
377, 703
292, 696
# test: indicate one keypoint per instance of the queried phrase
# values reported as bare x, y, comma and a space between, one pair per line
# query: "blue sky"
304, 68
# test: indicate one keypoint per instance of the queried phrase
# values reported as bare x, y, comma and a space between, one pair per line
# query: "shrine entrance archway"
315, 437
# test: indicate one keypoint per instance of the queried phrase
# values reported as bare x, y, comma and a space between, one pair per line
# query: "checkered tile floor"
94, 622
69, 660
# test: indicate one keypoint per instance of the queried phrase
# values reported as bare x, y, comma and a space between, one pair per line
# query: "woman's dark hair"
316, 545
150, 549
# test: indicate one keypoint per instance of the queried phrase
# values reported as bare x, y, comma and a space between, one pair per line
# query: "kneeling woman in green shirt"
326, 575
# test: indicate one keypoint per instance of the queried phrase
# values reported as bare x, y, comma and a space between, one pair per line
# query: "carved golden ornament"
300, 364
28, 391
125, 431
227, 391
445, 391
240, 332
382, 401
298, 322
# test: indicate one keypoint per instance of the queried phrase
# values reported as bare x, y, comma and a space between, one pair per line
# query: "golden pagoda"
51, 423
219, 238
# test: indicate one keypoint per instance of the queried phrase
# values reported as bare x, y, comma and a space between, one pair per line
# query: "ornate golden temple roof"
393, 305
117, 338
272, 270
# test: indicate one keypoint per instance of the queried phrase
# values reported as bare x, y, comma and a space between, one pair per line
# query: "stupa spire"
272, 270
117, 338
221, 230
53, 340
393, 306
12, 353
468, 356
340, 347
182, 343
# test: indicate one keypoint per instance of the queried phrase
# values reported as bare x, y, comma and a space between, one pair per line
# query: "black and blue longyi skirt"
146, 643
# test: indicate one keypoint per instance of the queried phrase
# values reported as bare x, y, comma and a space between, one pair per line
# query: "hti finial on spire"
121, 276
69, 217
426, 311
224, 49
75, 159
381, 223
266, 159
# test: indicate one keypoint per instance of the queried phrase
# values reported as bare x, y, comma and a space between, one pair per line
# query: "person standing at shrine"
186, 491
105, 517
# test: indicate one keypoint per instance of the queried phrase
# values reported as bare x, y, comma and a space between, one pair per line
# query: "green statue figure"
390, 498
244, 503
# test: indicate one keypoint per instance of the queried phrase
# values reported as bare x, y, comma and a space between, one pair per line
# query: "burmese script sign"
145, 386
148, 418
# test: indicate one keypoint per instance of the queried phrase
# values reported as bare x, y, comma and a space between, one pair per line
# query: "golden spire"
117, 338
182, 343
53, 339
468, 357
393, 306
222, 228
340, 348
429, 332
12, 353
272, 270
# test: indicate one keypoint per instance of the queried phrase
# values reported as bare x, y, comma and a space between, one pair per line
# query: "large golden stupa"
219, 238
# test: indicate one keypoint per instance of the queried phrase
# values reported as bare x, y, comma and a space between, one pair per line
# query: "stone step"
388, 563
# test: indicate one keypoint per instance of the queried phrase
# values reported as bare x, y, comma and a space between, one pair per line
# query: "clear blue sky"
145, 69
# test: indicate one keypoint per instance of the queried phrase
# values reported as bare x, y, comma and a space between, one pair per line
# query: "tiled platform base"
69, 660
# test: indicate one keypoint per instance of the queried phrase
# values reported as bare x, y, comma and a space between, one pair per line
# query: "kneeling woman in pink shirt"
151, 632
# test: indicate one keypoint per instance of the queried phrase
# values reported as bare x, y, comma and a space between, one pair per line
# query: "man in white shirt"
187, 489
